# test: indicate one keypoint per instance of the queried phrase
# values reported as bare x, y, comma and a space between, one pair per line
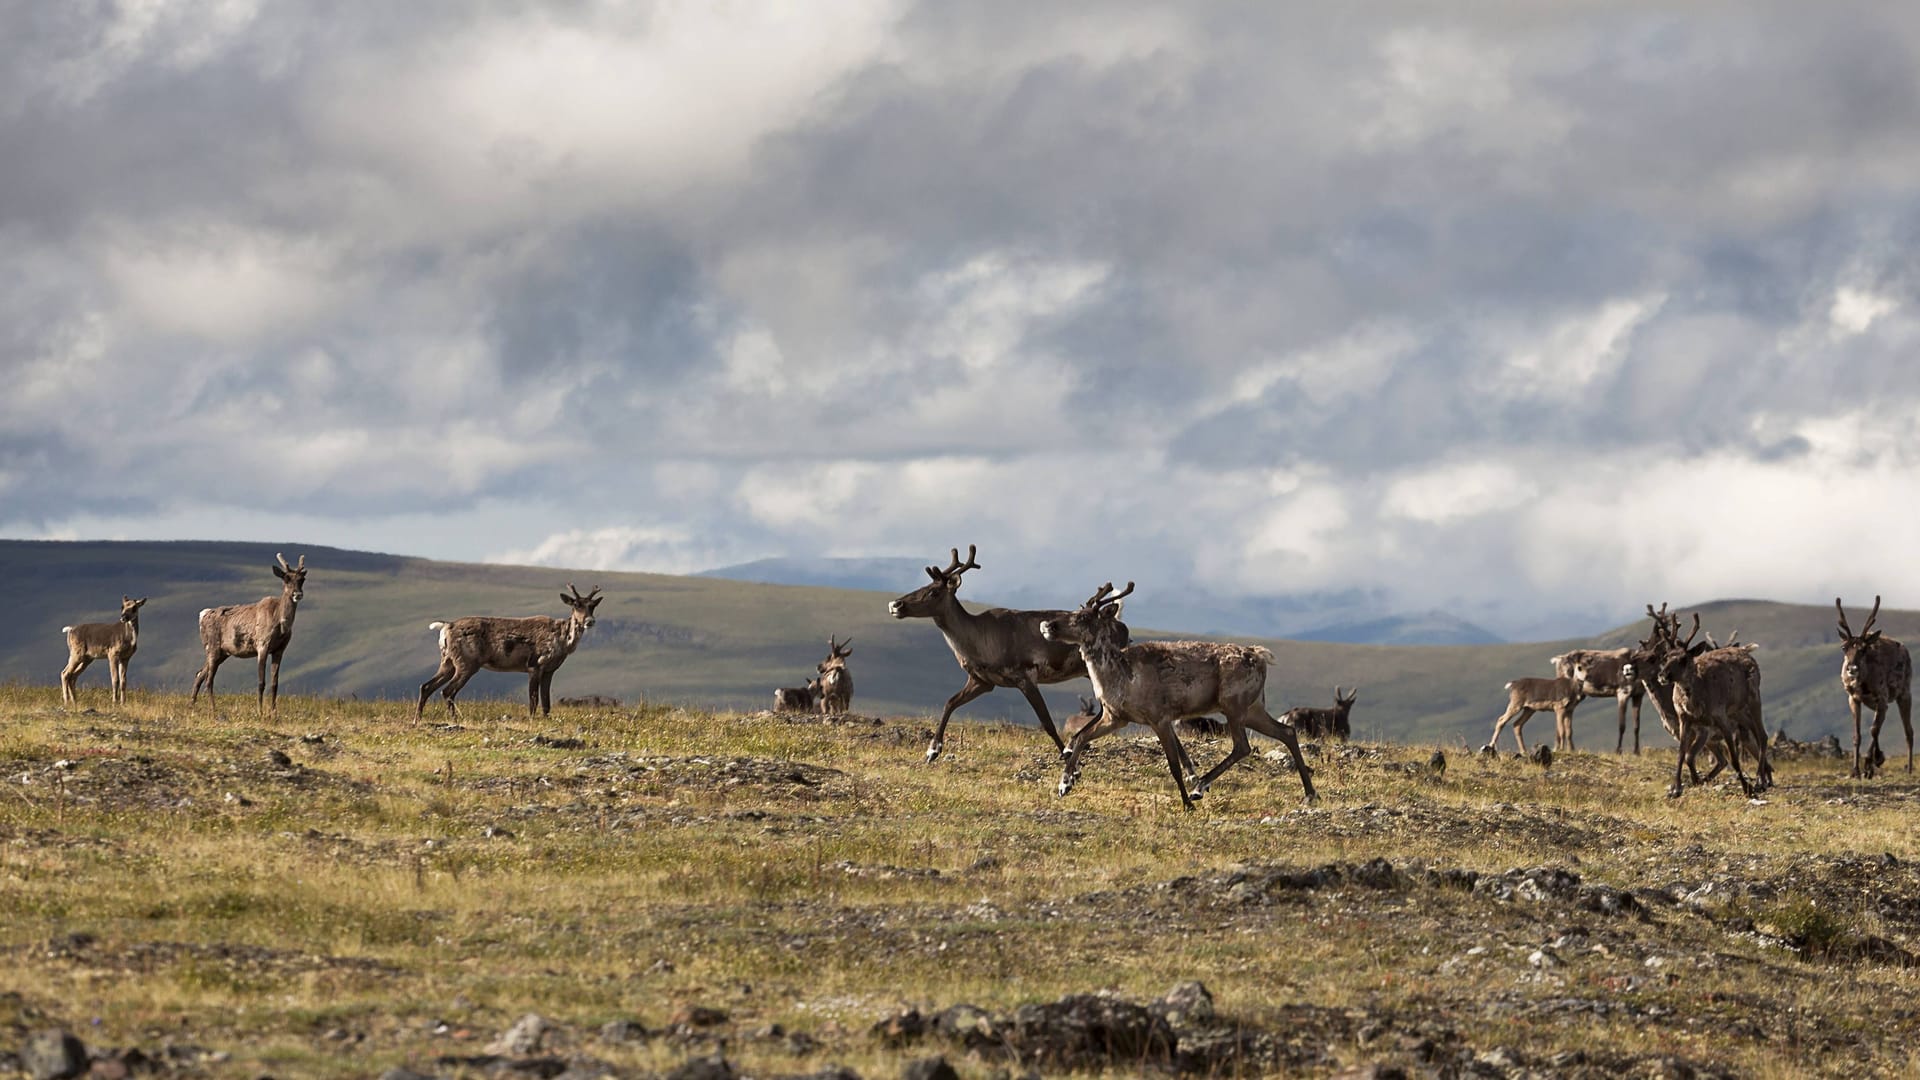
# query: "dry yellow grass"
402, 893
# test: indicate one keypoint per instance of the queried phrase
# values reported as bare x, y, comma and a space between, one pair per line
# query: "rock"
933, 1068
1188, 1003
279, 759
902, 1027
401, 1072
968, 1025
523, 1038
1086, 1030
697, 1016
831, 1072
1544, 958
624, 1031
1371, 1072
1437, 764
1542, 756
713, 1067
53, 1055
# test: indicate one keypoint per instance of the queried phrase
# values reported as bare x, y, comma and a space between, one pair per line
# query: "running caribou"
1876, 671
995, 647
537, 645
261, 629
113, 642
1159, 683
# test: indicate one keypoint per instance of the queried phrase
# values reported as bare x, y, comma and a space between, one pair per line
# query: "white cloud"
1854, 310
662, 549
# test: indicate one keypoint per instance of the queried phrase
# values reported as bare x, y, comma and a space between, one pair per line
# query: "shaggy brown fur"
1159, 683
797, 698
1875, 671
537, 645
1599, 673
261, 629
1528, 696
113, 642
836, 682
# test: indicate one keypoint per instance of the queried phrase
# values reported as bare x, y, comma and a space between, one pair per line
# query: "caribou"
537, 645
113, 642
836, 682
797, 698
1876, 671
1642, 667
261, 629
1159, 683
1598, 671
1315, 723
1715, 693
998, 647
1528, 696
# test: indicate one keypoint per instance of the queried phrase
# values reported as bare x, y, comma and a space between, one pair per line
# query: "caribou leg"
974, 688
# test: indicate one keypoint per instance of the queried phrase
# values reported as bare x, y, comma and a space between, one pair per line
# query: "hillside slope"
363, 631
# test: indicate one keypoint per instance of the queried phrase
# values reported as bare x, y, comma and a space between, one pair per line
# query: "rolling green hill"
362, 631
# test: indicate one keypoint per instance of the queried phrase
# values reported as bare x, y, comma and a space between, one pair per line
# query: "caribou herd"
1707, 695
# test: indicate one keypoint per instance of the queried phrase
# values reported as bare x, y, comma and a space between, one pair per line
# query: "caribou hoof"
1065, 786
933, 751
1673, 792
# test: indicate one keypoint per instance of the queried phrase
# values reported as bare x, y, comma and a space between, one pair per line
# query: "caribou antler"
1691, 634
1867, 628
303, 559
1846, 632
954, 568
1105, 595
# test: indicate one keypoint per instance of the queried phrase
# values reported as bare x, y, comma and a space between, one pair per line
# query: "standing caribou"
1715, 694
1159, 683
1528, 696
114, 642
260, 629
1875, 671
1598, 673
537, 645
997, 647
836, 682
1748, 729
797, 698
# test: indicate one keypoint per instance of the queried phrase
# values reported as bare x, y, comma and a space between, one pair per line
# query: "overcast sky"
1532, 313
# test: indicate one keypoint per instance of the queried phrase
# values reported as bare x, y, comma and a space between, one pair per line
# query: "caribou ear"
279, 573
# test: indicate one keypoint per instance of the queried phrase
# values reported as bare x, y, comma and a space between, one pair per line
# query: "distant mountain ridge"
716, 643
1348, 616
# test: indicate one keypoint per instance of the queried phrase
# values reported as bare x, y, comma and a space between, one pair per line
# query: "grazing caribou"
1528, 696
1598, 673
1875, 671
797, 698
1315, 723
836, 682
113, 642
261, 629
996, 647
1159, 683
537, 645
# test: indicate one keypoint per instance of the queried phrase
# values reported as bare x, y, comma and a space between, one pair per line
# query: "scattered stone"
1371, 1072
279, 759
1087, 1030
1437, 764
1542, 756
523, 1038
902, 1027
933, 1068
696, 1016
53, 1055
496, 832
401, 1072
1187, 1004
553, 742
624, 1031
712, 1067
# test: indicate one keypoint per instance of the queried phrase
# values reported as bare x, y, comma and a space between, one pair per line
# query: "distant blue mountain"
1349, 616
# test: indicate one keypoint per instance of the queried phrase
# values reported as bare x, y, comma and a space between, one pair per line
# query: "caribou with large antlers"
113, 642
261, 629
836, 682
1159, 683
1642, 667
1876, 671
537, 645
998, 647
1715, 693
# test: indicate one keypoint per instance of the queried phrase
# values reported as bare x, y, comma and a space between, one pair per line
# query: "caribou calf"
1159, 683
796, 698
836, 682
1334, 723
1876, 671
261, 629
113, 642
537, 645
1528, 696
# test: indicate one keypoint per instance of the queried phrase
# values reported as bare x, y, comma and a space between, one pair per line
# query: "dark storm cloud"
1344, 283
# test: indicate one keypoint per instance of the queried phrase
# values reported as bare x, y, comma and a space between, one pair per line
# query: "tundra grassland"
336, 891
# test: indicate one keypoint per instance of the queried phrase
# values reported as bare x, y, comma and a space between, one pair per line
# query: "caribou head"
930, 598
1096, 620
